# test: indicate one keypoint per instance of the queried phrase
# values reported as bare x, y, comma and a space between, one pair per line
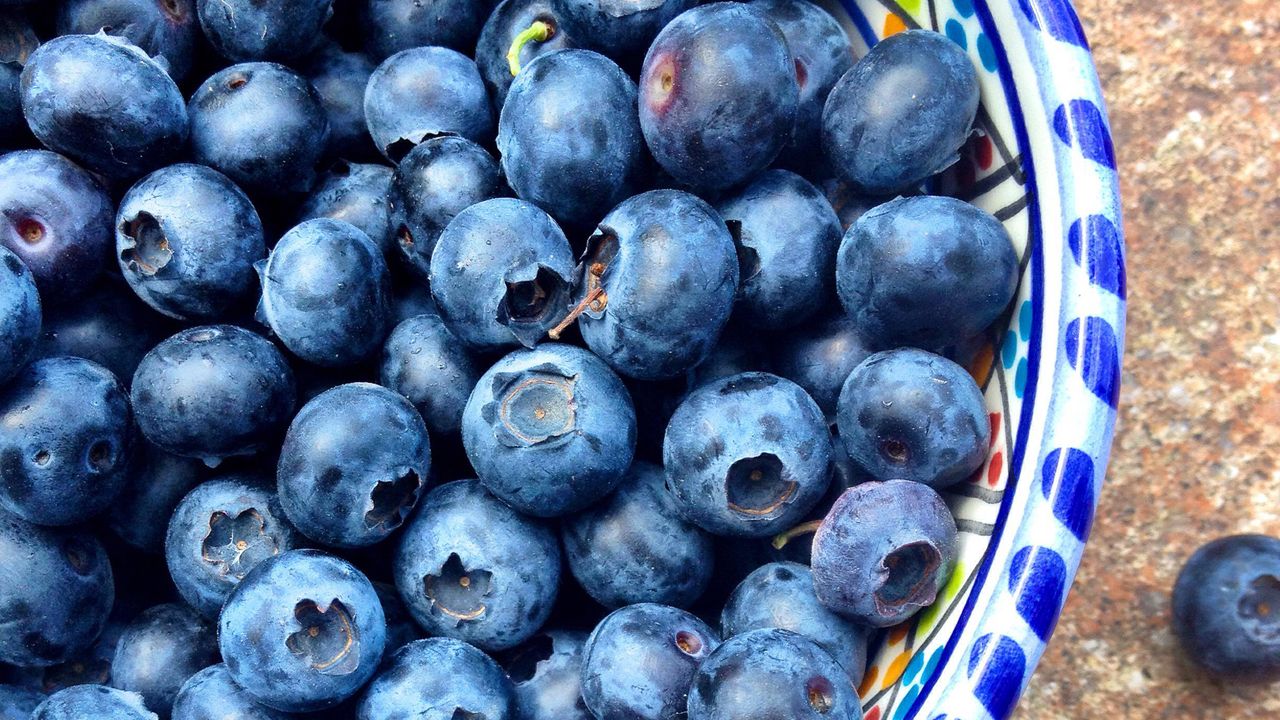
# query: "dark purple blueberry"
166, 29
748, 455
156, 483
654, 310
243, 30
159, 651
547, 674
261, 124
819, 357
639, 662
916, 79
772, 674
109, 326
66, 435
57, 592
438, 179
739, 349
340, 78
621, 29
532, 27
1225, 607
787, 236
356, 194
326, 293
394, 25
17, 703
423, 92
500, 274
57, 220
93, 701
884, 552
718, 95
17, 41
427, 364
105, 103
402, 629
211, 694
634, 546
186, 241
475, 570
439, 677
20, 314
925, 272
569, 138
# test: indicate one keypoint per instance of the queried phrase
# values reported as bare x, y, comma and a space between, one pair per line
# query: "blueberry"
513, 24
105, 103
92, 665
211, 694
1224, 605
17, 41
549, 430
186, 240
621, 29
884, 552
547, 674
718, 95
439, 679
213, 392
93, 701
109, 326
20, 314
159, 650
261, 124
911, 415
303, 631
748, 455
640, 661
356, 194
781, 595
66, 434
411, 299
654, 309
17, 703
353, 464
634, 547
500, 274
57, 593
424, 362
394, 25
569, 137
423, 92
823, 54
57, 220
772, 674
166, 29
916, 79
925, 272
326, 293
438, 179
402, 629
473, 569
787, 236
340, 78
156, 483
263, 29
218, 533
819, 358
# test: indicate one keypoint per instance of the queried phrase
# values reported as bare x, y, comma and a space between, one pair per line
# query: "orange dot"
893, 25
898, 633
981, 364
894, 672
868, 681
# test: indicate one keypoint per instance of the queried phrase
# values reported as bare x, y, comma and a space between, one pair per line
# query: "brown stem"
781, 539
595, 291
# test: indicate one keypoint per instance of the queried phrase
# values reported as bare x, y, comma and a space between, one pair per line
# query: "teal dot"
986, 52
955, 31
932, 667
913, 668
964, 7
1024, 320
907, 701
1009, 352
1020, 378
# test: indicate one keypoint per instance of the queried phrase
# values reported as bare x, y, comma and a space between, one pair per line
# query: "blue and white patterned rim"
1057, 190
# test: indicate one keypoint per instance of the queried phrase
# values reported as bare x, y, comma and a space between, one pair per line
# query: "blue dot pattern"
1097, 247
1093, 351
1066, 481
997, 665
1080, 123
1058, 20
1038, 578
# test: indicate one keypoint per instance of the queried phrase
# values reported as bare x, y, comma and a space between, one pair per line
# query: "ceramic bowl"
1042, 161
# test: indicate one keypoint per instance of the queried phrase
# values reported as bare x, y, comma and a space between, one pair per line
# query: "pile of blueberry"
664, 278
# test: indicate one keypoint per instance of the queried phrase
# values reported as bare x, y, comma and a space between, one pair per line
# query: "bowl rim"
1074, 355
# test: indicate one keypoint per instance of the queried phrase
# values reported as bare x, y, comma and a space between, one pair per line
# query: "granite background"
1193, 89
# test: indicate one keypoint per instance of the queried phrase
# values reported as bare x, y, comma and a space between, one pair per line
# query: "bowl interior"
1029, 164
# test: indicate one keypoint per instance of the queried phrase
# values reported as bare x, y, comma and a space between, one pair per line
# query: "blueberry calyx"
458, 592
907, 578
326, 639
535, 407
236, 544
391, 501
147, 251
534, 300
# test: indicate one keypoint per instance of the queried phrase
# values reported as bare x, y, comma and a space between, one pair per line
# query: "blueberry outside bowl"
1042, 161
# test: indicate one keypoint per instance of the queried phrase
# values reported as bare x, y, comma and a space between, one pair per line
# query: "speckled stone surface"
1194, 95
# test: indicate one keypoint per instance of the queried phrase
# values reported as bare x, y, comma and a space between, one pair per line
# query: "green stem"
539, 31
781, 539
